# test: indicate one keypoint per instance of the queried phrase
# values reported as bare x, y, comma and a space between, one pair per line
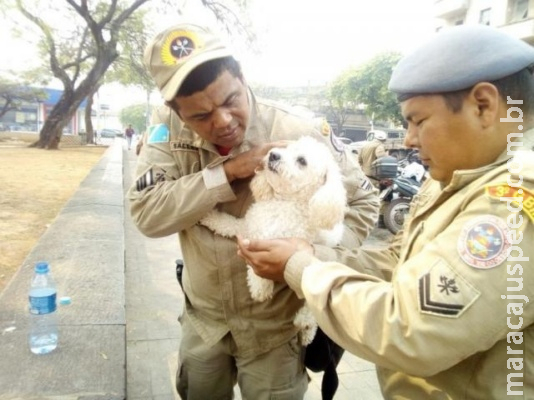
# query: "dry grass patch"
35, 185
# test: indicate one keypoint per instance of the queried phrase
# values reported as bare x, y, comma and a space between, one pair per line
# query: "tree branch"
54, 63
83, 11
229, 18
126, 13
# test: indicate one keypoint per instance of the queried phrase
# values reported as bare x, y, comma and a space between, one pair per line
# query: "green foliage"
135, 115
129, 69
369, 85
341, 100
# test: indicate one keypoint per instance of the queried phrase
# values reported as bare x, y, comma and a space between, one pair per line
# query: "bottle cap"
42, 267
65, 300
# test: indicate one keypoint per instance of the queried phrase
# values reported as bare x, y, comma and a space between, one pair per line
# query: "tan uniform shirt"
455, 320
369, 153
182, 178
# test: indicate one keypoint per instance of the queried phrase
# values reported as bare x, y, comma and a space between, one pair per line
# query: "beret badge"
178, 46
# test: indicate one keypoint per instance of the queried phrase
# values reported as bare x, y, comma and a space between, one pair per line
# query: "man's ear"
487, 101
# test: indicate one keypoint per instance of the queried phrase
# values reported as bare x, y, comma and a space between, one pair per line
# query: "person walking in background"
372, 151
200, 153
445, 312
129, 133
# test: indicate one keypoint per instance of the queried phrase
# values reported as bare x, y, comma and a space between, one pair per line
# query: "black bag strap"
330, 382
323, 354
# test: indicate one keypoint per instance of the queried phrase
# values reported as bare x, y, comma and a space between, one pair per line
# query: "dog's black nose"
273, 156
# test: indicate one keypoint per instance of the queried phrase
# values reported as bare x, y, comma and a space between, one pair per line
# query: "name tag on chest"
181, 146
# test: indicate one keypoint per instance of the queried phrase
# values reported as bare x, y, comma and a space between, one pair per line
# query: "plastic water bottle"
43, 333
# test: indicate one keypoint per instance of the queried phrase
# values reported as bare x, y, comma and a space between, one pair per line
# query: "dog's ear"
327, 205
261, 190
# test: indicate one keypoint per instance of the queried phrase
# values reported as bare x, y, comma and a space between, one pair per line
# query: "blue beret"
458, 58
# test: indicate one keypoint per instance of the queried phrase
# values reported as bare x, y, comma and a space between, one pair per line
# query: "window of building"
520, 10
485, 16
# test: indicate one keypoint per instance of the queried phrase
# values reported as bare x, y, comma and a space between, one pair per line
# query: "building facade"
30, 116
515, 17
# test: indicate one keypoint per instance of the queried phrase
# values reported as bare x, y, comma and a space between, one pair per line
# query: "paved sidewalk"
153, 301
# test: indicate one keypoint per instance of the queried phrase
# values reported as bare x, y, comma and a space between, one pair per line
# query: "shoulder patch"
483, 242
443, 292
158, 134
524, 196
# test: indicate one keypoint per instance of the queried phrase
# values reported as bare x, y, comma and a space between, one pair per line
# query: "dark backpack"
323, 354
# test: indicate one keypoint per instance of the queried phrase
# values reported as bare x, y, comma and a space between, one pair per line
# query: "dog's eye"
302, 161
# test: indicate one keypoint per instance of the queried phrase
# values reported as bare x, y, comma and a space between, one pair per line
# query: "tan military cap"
177, 51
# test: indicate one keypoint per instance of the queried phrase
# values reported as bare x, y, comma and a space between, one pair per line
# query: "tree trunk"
89, 129
59, 117
66, 108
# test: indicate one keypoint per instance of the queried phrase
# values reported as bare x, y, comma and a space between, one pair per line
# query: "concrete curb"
85, 248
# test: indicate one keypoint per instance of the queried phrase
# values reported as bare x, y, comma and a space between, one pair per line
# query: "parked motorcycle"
396, 199
399, 182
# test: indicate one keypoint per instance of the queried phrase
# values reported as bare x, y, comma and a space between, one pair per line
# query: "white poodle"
298, 192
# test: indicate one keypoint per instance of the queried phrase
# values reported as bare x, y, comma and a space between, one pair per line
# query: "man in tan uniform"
370, 152
445, 313
200, 154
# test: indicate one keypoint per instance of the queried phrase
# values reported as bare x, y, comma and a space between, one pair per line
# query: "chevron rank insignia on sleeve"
367, 185
444, 292
150, 178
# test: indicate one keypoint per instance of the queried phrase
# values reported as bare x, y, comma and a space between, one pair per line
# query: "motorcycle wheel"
394, 214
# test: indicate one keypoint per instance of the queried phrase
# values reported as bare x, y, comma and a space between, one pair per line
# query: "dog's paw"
307, 334
210, 220
305, 320
260, 289
221, 223
332, 237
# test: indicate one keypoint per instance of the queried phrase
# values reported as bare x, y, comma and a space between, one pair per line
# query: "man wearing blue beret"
445, 312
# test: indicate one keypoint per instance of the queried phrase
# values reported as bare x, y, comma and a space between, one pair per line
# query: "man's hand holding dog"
268, 258
244, 165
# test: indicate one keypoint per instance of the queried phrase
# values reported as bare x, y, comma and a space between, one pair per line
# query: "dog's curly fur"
298, 192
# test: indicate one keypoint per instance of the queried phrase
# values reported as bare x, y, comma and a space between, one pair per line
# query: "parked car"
109, 133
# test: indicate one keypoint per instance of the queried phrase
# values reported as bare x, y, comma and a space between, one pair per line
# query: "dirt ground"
34, 185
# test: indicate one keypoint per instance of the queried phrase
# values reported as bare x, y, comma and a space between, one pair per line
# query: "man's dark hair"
518, 86
206, 73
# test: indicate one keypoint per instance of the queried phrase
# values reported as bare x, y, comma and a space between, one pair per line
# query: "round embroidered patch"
483, 243
178, 45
